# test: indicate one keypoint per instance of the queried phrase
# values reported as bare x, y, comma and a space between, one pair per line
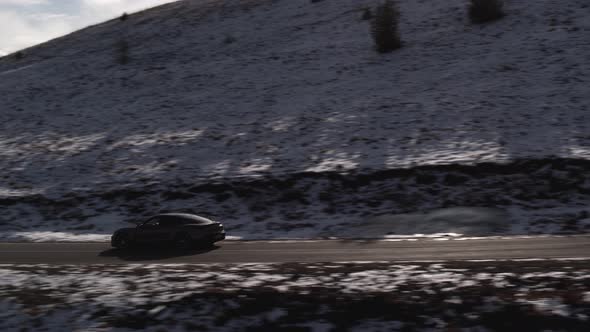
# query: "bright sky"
25, 23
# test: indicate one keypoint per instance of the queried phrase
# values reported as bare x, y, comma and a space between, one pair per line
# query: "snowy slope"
225, 89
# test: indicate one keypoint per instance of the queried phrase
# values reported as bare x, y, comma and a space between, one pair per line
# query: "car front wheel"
121, 241
205, 243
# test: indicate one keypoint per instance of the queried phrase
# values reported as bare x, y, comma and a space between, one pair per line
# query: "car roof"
187, 217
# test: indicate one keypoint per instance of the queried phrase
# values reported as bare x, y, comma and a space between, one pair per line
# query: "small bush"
122, 49
384, 27
124, 17
229, 39
367, 14
19, 55
482, 11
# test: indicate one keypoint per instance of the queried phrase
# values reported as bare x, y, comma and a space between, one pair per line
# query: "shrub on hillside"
367, 14
384, 27
122, 49
124, 17
229, 39
19, 55
481, 11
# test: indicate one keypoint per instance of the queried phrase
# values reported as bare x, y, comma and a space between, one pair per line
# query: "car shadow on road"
360, 241
147, 254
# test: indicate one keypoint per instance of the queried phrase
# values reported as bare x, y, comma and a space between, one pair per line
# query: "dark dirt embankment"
560, 188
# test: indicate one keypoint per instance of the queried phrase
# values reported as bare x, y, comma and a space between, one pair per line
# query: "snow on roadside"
231, 296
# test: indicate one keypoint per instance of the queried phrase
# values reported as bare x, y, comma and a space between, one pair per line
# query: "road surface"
304, 251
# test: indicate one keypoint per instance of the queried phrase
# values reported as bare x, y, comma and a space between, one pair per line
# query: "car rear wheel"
182, 242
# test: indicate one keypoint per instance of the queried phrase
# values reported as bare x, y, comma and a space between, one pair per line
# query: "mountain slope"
224, 89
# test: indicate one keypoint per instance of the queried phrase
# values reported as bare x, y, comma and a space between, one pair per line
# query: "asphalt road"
303, 251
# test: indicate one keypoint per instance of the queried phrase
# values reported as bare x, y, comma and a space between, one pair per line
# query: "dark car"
178, 230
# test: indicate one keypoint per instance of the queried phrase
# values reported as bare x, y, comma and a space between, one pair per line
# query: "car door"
168, 228
151, 231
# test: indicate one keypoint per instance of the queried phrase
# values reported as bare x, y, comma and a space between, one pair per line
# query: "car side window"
154, 222
169, 222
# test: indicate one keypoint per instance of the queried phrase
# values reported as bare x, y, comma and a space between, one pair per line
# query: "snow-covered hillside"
229, 91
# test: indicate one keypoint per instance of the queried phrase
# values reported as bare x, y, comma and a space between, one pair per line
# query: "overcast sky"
25, 23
